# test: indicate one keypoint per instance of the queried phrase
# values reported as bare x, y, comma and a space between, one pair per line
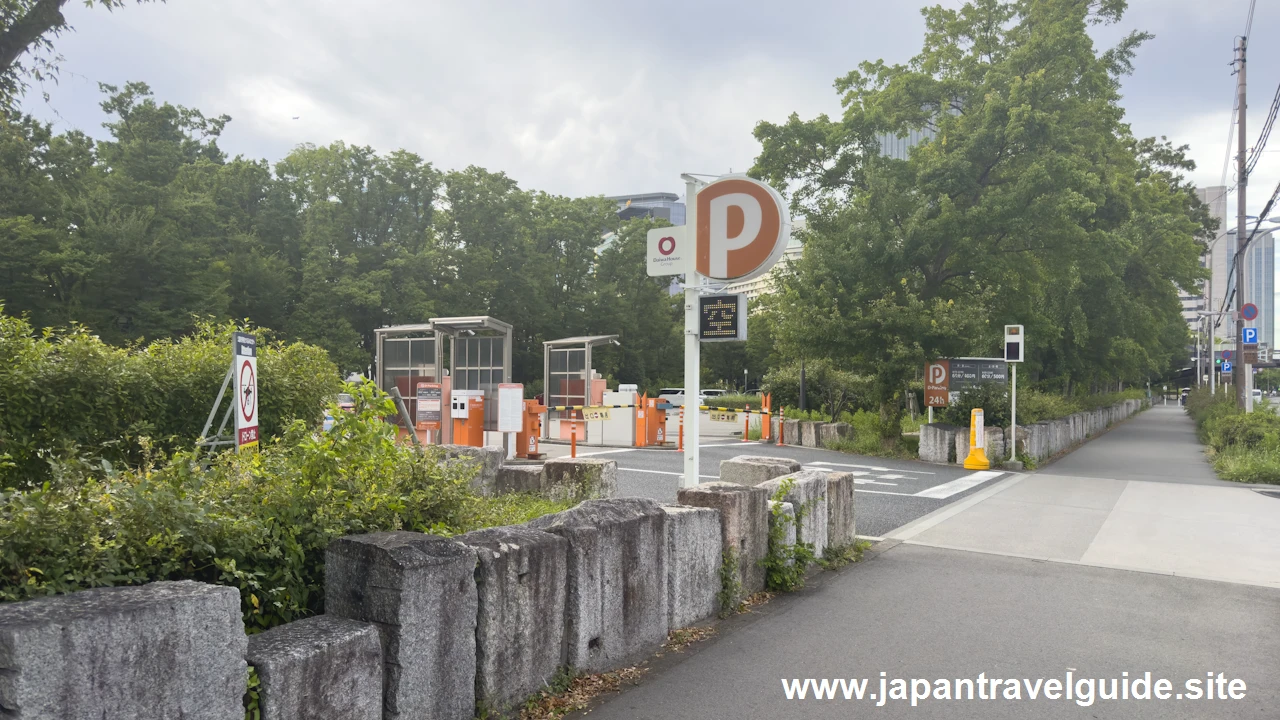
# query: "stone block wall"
521, 584
616, 607
1038, 441
806, 491
320, 667
754, 469
486, 461
694, 556
155, 652
841, 530
809, 436
420, 592
938, 442
831, 433
744, 524
418, 626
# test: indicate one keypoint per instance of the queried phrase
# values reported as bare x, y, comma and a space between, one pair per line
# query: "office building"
1217, 258
768, 282
660, 205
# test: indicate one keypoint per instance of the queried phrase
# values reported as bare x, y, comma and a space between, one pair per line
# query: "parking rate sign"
244, 376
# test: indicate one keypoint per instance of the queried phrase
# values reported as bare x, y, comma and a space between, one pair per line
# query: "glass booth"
479, 354
568, 379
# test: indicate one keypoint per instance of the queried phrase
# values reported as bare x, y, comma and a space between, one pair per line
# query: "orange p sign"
743, 226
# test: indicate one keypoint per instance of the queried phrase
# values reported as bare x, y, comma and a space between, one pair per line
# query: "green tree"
367, 253
1027, 194
640, 309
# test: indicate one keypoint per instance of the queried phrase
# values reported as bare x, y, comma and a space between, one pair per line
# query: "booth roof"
581, 340
474, 322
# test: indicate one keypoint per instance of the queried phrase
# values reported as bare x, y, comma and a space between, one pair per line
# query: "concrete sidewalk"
1141, 497
913, 611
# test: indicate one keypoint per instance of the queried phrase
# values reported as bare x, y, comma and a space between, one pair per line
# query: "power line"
1257, 223
1266, 132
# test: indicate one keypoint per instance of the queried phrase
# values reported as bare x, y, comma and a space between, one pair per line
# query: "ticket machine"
527, 439
651, 422
466, 408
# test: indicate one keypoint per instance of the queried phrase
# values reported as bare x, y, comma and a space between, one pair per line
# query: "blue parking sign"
1226, 367
1250, 335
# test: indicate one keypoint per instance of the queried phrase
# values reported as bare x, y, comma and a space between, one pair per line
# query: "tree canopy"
1028, 201
138, 235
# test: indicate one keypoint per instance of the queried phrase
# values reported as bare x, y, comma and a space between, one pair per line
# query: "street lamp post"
1213, 370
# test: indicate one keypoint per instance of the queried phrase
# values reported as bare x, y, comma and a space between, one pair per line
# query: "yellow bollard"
977, 459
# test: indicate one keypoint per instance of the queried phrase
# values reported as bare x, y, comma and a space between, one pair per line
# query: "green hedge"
737, 401
259, 522
67, 395
1243, 447
1033, 405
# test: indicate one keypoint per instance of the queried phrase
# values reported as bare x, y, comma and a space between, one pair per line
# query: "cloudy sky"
577, 97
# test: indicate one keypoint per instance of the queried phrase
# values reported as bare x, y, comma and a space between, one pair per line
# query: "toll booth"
406, 355
480, 361
478, 350
569, 379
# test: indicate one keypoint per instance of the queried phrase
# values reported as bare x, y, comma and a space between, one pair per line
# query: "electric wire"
1267, 124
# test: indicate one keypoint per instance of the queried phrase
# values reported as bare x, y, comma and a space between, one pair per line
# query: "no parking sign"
244, 374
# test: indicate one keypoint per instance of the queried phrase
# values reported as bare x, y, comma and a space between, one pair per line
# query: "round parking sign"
1249, 311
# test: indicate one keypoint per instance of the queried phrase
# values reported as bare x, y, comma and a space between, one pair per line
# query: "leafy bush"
1238, 430
68, 395
827, 387
259, 522
1245, 447
992, 397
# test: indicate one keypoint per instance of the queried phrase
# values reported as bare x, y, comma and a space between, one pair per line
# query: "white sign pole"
1013, 412
692, 346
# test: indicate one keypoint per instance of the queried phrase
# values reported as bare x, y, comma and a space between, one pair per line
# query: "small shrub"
730, 595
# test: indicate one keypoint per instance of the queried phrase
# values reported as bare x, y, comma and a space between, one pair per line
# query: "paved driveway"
890, 493
1141, 497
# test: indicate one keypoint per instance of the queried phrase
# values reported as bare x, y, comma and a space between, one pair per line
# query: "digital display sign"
722, 318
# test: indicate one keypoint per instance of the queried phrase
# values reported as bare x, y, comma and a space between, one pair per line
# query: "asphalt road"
918, 612
889, 492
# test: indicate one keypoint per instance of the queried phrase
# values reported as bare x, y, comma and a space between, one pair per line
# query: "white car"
675, 396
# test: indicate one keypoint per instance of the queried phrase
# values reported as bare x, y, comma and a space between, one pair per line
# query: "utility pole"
1241, 374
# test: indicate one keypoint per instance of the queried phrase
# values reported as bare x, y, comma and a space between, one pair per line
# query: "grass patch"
834, 558
569, 692
1249, 465
512, 509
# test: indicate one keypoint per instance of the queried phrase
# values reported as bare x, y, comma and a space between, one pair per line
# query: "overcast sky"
580, 98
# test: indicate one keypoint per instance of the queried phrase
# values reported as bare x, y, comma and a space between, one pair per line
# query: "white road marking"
882, 492
601, 452
733, 444
892, 476
858, 480
873, 467
959, 485
664, 472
